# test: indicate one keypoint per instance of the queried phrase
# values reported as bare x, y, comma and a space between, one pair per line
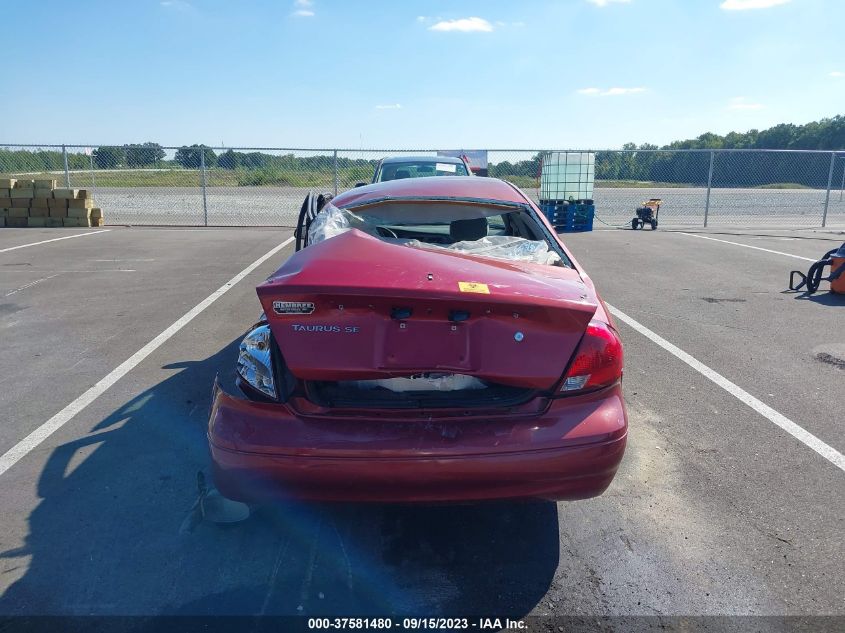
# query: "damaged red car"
431, 340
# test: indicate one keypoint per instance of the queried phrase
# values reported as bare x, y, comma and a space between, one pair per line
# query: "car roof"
438, 187
421, 159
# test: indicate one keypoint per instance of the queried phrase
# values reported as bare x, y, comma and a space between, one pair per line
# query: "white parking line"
19, 450
28, 270
802, 435
756, 248
30, 285
55, 239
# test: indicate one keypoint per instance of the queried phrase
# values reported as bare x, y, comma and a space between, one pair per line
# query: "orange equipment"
837, 264
836, 260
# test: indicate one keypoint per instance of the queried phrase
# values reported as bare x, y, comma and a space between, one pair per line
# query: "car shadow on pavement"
105, 536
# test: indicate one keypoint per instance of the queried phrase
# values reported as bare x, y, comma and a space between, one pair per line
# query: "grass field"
130, 178
783, 185
317, 179
192, 178
642, 184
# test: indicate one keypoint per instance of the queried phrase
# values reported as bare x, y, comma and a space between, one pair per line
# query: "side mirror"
360, 184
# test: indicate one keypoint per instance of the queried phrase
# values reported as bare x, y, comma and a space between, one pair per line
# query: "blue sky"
404, 74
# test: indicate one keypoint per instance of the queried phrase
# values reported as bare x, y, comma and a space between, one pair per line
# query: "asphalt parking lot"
717, 509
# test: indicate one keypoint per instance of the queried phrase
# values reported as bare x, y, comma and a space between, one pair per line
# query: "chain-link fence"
197, 185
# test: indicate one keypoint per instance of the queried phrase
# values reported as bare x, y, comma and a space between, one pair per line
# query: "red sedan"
432, 341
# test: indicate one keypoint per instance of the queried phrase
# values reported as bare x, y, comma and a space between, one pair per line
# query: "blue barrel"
569, 216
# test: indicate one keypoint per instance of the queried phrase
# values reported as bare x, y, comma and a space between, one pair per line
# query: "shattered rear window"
477, 228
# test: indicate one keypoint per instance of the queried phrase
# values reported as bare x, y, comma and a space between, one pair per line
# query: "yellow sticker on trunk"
473, 286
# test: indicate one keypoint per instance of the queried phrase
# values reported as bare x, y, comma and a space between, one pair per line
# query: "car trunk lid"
355, 307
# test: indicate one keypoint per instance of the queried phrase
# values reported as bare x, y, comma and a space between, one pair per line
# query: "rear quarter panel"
602, 312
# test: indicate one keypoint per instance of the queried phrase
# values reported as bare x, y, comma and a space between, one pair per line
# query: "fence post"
335, 173
91, 161
829, 183
67, 171
842, 184
203, 182
709, 184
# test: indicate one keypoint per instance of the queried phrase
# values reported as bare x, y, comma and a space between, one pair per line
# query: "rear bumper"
263, 452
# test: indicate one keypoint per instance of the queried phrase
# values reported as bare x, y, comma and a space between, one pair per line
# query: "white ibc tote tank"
567, 175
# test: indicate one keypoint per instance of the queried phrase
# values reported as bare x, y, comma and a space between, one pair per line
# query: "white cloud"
422, 18
743, 103
610, 92
464, 25
745, 5
305, 9
176, 5
613, 92
604, 3
389, 106
837, 73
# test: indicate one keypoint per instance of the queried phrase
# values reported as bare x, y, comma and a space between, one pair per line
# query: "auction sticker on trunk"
473, 286
293, 307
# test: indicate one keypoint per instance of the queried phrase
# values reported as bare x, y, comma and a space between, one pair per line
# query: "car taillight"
598, 360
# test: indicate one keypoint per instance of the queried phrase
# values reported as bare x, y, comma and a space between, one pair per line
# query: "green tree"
628, 162
230, 159
190, 157
109, 157
143, 155
256, 160
777, 137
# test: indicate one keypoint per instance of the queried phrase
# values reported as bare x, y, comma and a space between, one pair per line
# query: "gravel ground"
278, 206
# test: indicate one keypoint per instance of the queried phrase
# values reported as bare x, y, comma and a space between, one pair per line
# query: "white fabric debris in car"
332, 221
500, 247
423, 382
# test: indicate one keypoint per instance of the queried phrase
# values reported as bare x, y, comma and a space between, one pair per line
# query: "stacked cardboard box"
39, 203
